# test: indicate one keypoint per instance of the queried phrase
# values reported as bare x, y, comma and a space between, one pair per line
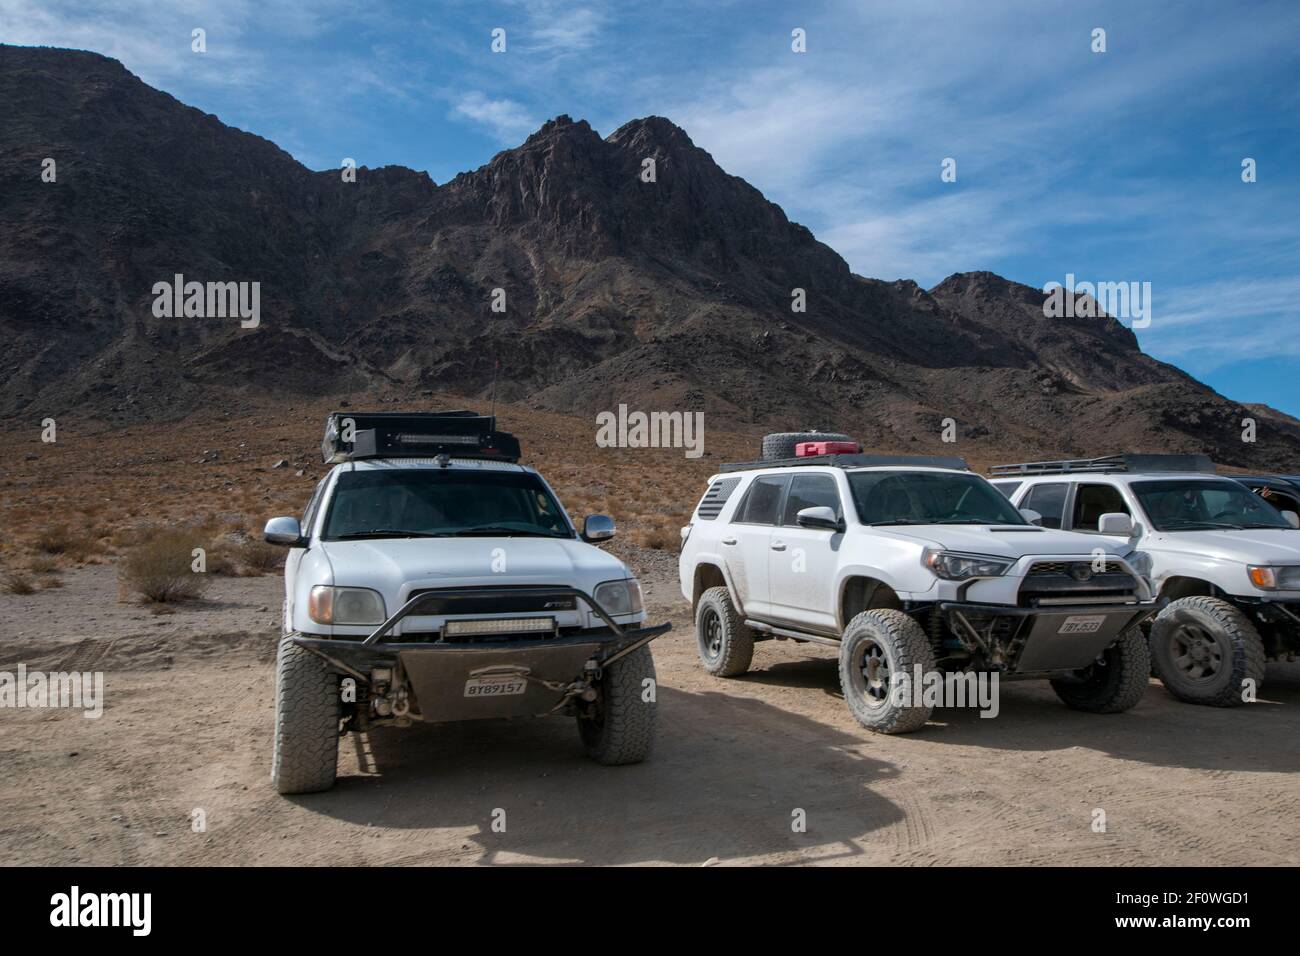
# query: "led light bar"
500, 625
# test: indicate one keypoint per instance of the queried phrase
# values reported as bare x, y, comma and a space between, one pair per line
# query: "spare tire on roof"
782, 444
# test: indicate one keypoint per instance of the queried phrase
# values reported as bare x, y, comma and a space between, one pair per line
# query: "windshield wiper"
496, 530
872, 524
387, 533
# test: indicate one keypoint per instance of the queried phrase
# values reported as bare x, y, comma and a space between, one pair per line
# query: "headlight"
331, 605
952, 566
1274, 579
1140, 562
619, 597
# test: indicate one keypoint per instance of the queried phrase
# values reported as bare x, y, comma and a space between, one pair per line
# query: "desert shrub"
258, 556
15, 582
60, 540
42, 564
159, 568
223, 561
54, 540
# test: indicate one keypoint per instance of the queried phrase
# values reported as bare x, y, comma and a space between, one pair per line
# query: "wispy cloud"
507, 121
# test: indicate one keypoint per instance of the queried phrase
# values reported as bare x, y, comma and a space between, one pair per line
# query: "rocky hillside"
673, 294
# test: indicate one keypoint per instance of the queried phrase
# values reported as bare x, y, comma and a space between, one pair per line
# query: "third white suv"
1225, 563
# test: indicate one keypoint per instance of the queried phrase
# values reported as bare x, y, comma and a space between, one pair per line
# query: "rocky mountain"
671, 294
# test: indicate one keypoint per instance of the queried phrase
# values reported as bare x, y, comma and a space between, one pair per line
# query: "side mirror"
285, 531
1292, 517
818, 517
1115, 522
1032, 516
597, 528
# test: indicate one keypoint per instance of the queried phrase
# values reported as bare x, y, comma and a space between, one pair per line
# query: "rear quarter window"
710, 505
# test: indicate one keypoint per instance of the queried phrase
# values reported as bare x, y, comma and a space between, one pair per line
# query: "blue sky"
1115, 166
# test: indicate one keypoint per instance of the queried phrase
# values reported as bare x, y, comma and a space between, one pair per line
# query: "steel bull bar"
512, 677
1047, 638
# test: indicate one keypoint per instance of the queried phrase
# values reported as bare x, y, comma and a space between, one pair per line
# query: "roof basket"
351, 436
855, 461
1108, 463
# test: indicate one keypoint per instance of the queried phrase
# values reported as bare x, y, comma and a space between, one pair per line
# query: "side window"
1049, 501
762, 502
309, 516
811, 491
1008, 488
1093, 501
711, 504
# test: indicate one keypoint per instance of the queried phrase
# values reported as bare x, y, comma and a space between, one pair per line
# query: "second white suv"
904, 562
1224, 562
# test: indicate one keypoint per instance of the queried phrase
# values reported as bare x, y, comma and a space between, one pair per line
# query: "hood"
1276, 546
1006, 541
385, 564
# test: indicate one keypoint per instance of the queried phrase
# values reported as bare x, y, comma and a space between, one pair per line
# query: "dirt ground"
187, 725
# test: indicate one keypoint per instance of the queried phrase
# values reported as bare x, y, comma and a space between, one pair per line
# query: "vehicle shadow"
725, 780
1160, 731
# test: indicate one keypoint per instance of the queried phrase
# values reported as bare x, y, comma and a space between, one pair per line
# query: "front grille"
1065, 582
488, 603
485, 602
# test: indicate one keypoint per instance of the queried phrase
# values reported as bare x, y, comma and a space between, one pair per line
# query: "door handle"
728, 540
778, 546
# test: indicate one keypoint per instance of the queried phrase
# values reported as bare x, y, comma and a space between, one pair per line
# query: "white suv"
1225, 563
905, 561
433, 578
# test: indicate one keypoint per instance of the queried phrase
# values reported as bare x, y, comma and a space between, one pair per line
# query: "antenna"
496, 368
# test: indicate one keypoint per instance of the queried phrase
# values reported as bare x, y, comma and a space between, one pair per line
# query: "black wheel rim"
871, 672
710, 634
1195, 653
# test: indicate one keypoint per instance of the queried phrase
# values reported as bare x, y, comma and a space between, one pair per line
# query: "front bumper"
1038, 640
550, 671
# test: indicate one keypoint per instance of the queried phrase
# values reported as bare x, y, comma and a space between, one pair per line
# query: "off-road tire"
1238, 643
1115, 683
782, 444
622, 731
903, 645
305, 759
728, 651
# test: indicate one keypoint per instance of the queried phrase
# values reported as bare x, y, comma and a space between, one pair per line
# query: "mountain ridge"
667, 294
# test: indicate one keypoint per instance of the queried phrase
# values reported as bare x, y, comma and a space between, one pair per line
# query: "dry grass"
15, 582
42, 564
260, 557
159, 569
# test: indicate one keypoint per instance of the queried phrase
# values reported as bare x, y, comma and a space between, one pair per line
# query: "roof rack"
1108, 463
854, 461
352, 436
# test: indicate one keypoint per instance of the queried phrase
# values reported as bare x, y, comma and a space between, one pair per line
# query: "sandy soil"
187, 725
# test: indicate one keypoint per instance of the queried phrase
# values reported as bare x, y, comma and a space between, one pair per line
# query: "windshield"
929, 497
1180, 505
413, 503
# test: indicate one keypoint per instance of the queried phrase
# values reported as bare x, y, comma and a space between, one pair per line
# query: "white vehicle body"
397, 568
801, 577
1218, 557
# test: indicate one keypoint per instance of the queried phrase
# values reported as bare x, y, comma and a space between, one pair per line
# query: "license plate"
495, 686
1082, 624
